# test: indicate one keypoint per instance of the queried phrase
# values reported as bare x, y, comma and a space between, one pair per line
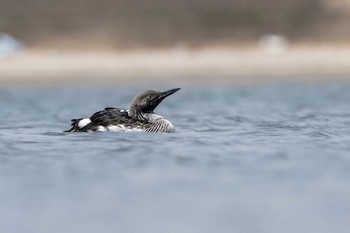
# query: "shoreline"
205, 65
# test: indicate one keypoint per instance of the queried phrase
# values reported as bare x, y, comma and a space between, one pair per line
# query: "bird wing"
110, 117
106, 118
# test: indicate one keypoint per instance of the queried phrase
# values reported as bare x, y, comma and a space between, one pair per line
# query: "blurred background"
262, 120
186, 38
81, 24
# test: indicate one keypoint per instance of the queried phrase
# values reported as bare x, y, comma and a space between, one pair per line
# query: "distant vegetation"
130, 23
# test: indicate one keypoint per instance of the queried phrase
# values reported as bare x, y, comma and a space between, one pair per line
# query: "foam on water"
271, 158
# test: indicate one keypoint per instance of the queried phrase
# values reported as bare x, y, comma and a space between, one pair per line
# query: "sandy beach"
177, 65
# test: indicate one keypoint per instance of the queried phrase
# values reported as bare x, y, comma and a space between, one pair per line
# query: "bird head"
147, 101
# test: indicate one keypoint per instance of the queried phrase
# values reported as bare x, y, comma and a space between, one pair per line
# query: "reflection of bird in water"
140, 117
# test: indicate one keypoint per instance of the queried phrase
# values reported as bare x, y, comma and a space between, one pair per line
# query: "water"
257, 158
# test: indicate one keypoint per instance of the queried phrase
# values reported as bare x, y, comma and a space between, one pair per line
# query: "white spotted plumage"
123, 128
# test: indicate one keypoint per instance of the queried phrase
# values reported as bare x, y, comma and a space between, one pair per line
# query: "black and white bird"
140, 117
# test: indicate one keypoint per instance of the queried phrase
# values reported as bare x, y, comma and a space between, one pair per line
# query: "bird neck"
158, 123
151, 117
148, 117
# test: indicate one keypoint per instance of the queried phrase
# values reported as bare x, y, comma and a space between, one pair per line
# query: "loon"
140, 117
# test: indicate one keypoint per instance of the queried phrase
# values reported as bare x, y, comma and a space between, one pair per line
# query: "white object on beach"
8, 45
274, 44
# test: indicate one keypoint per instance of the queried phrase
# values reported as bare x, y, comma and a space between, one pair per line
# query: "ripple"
239, 119
54, 134
319, 134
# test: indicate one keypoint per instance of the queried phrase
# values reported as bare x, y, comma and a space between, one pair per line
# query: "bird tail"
75, 126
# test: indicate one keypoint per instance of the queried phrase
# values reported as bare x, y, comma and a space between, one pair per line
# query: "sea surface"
244, 159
